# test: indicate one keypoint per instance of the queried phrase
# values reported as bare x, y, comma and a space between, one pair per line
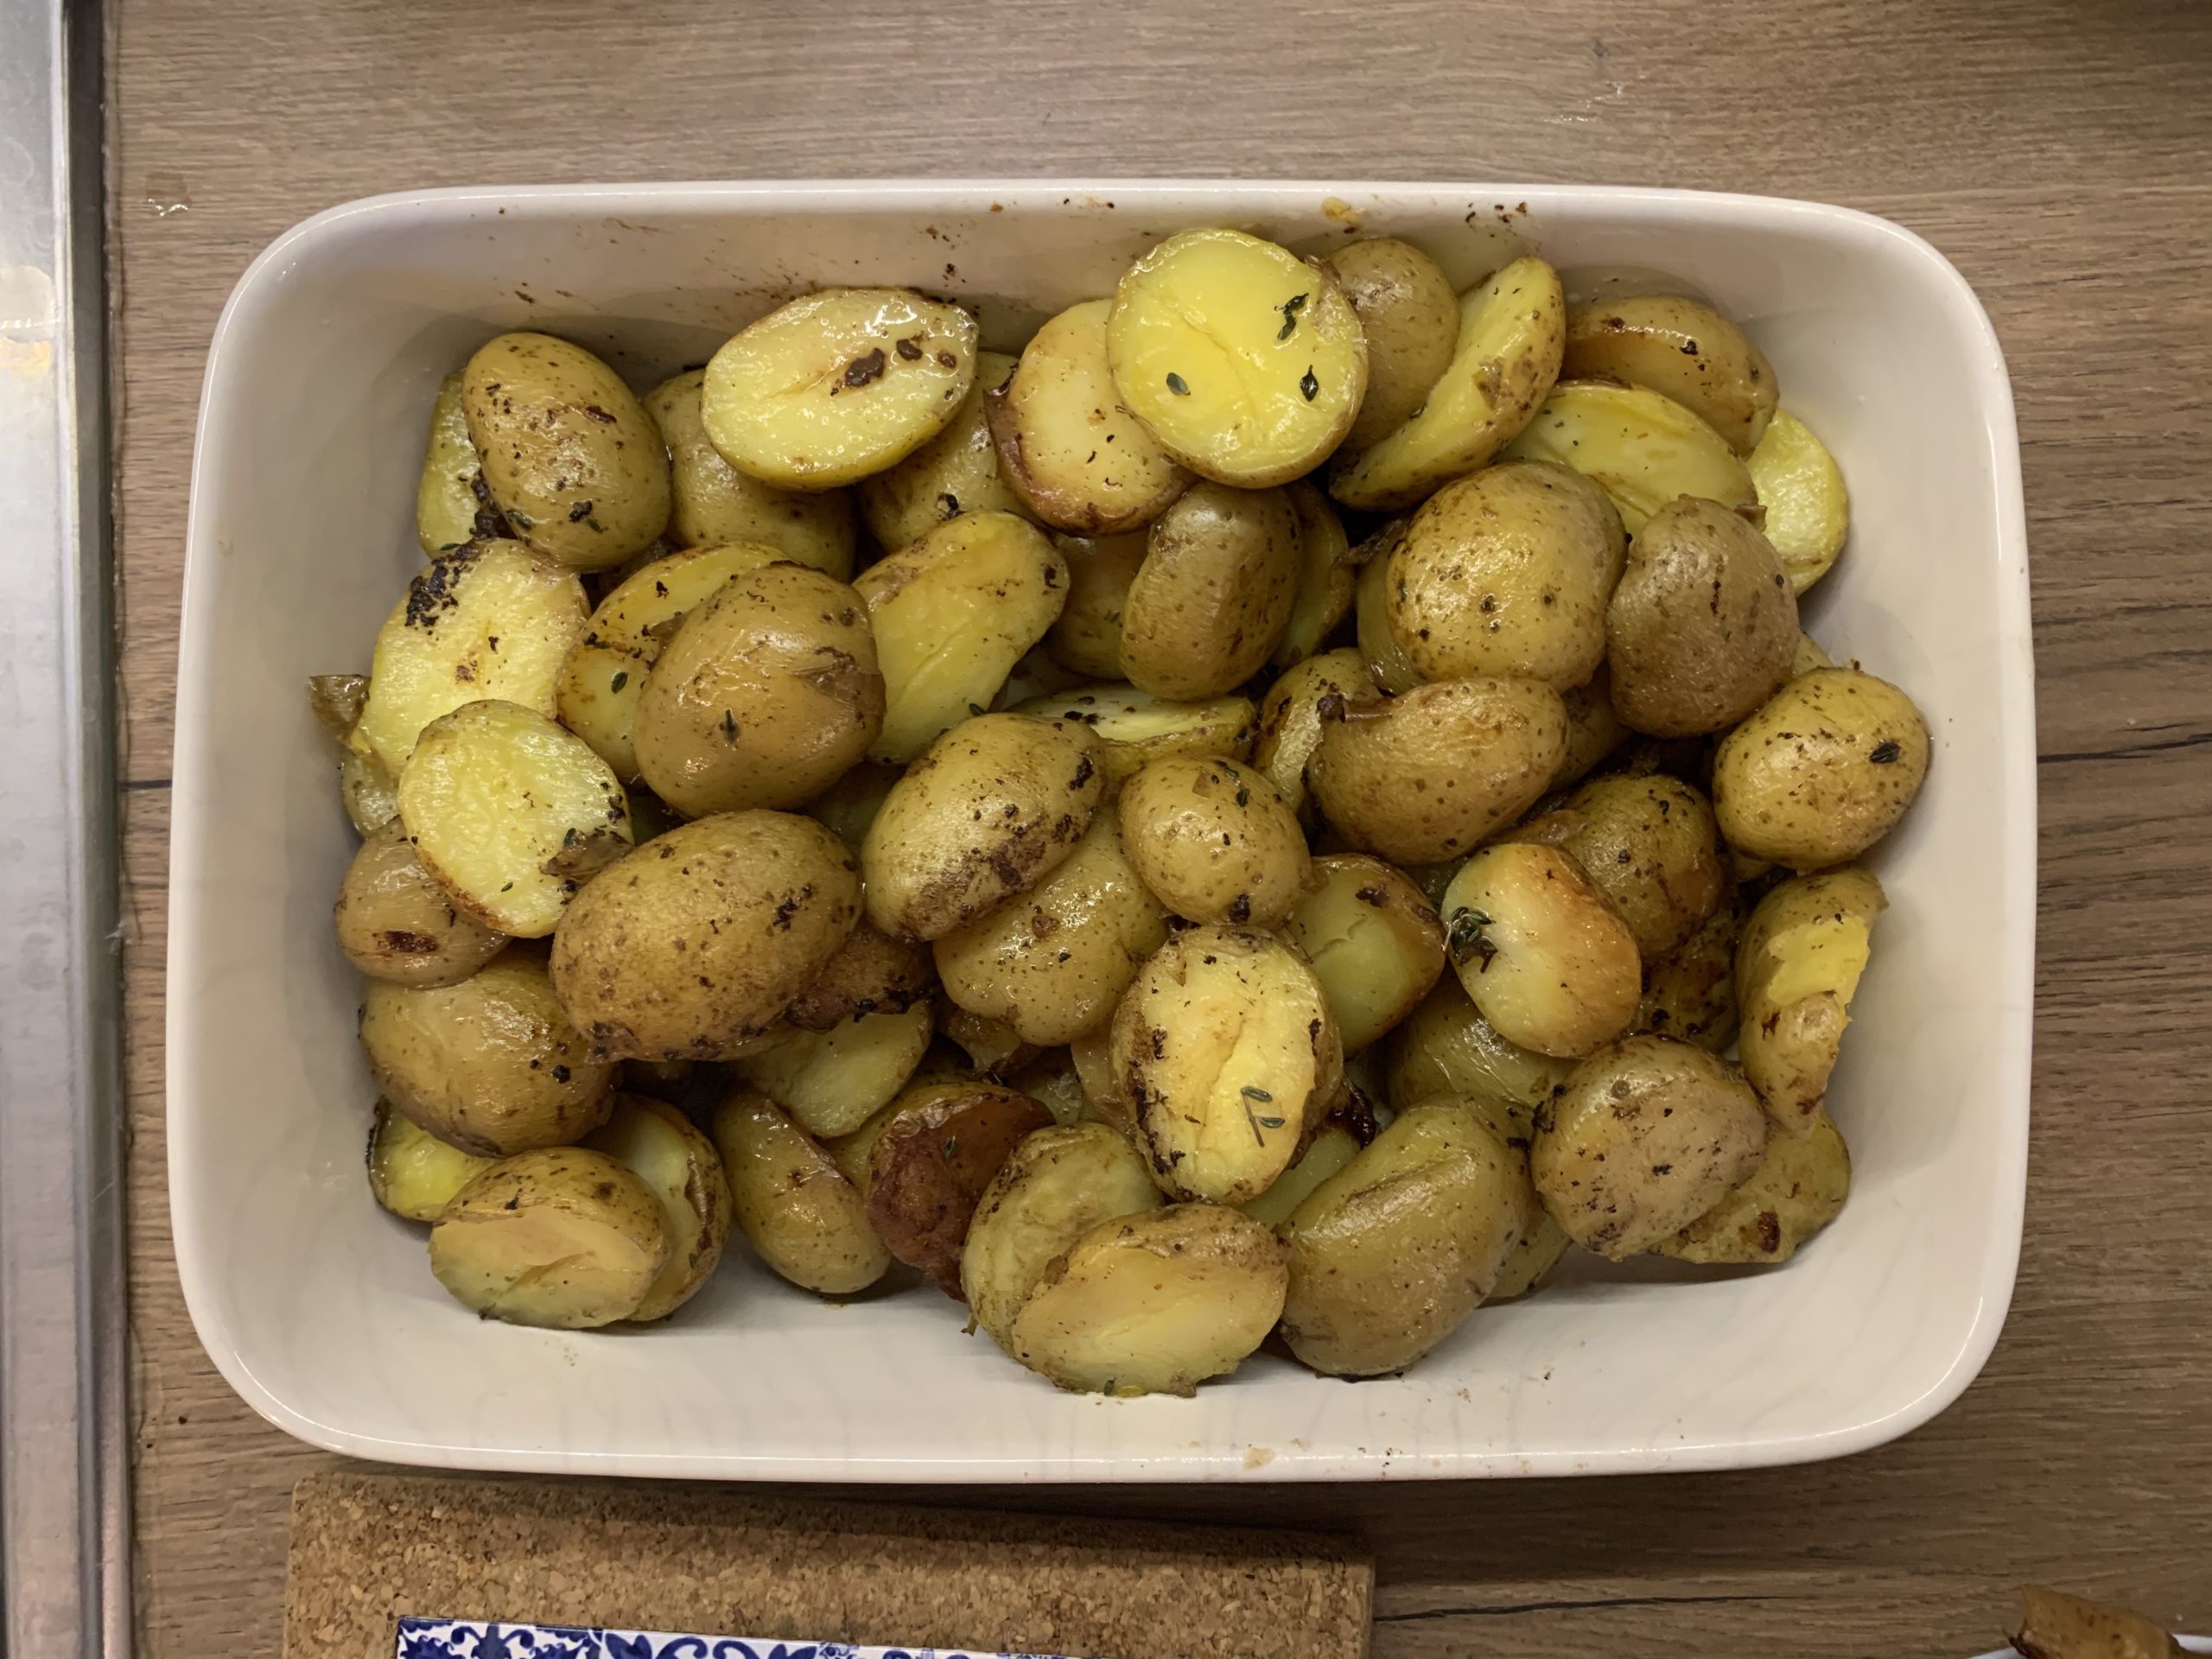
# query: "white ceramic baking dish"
318, 1307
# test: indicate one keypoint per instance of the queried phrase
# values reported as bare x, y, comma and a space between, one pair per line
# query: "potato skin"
1213, 841
759, 902
767, 695
1548, 962
1290, 716
1327, 575
870, 973
563, 1237
1799, 1188
929, 1165
1594, 730
1390, 1254
1506, 573
395, 923
570, 456
1797, 968
1690, 992
1134, 727
1388, 665
1703, 626
1087, 639
1411, 319
956, 472
1219, 578
1052, 961
794, 1206
1650, 845
1647, 1135
1687, 351
1423, 777
994, 806
712, 504
1375, 943
1446, 1048
1822, 771
491, 1064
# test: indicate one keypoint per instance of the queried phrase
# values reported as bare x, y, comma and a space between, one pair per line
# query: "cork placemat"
369, 1550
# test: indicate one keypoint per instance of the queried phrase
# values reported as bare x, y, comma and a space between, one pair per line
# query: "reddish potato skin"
930, 1164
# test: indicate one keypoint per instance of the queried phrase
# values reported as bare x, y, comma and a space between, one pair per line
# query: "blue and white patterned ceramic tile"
468, 1639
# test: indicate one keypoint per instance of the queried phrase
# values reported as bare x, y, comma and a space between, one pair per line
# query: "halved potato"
1087, 639
1797, 968
1219, 577
1445, 1048
657, 1143
1134, 727
1056, 1186
1326, 576
1290, 716
956, 472
566, 1238
488, 620
602, 680
952, 615
1066, 443
1244, 361
1801, 487
1153, 1303
394, 922
715, 505
1641, 448
1374, 943
1677, 346
1821, 771
511, 814
1388, 665
412, 1173
1411, 319
831, 1081
1548, 960
448, 500
832, 387
1798, 1188
797, 1208
929, 1164
1512, 330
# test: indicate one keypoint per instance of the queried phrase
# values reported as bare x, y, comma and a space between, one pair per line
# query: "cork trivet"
369, 1550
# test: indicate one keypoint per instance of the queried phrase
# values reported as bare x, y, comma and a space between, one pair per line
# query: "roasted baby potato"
1388, 665
412, 1173
1686, 350
871, 973
449, 499
1055, 1186
952, 615
830, 387
1506, 573
1087, 639
511, 814
831, 1081
1648, 845
1801, 487
1133, 727
602, 680
1390, 1254
436, 652
1067, 445
752, 906
1797, 968
713, 504
1425, 776
1690, 992
1153, 1303
491, 1066
1823, 771
1703, 626
659, 1145
1332, 1147
1594, 729
768, 694
1213, 841
1245, 362
1225, 1048
994, 806
796, 1209
1548, 962
1219, 577
1798, 1188
956, 472
1374, 943
1290, 716
929, 1163
1641, 448
395, 923
1410, 317
1326, 579
572, 462
1647, 1135
367, 790
1447, 1049
1052, 961
1512, 329
566, 1238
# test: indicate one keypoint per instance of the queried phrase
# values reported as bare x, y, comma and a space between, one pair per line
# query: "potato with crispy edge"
1684, 349
412, 1173
929, 1163
1219, 579
1290, 716
1797, 969
1823, 771
1799, 1188
794, 1204
1374, 943
659, 1145
956, 472
713, 504
394, 922
564, 1237
1134, 727
1546, 958
1410, 317
1213, 841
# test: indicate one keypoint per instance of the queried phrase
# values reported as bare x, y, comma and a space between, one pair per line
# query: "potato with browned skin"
929, 1164
394, 922
1213, 841
1822, 771
795, 1205
564, 1237
1218, 581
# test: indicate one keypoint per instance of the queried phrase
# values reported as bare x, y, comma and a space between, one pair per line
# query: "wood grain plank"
2055, 152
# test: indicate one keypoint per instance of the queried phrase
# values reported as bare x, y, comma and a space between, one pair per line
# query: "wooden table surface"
2056, 150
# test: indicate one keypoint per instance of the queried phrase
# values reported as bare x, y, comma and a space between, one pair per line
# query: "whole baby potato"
1648, 844
565, 1237
1214, 840
992, 807
930, 1162
570, 456
1373, 941
1822, 771
793, 1204
396, 923
1411, 318
1507, 572
1647, 1135
1704, 625
767, 695
1548, 960
695, 944
1423, 777
714, 505
1219, 578
493, 1065
1687, 351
